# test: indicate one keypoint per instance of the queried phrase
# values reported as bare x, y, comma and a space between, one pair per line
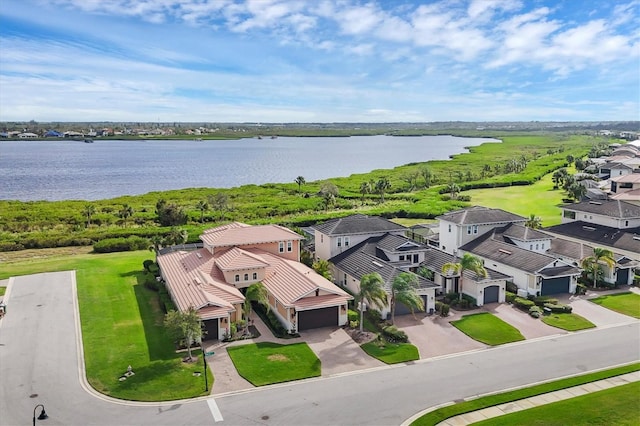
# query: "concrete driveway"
435, 336
528, 326
597, 314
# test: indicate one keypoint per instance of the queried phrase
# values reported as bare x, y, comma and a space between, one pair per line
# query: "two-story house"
612, 224
389, 255
212, 279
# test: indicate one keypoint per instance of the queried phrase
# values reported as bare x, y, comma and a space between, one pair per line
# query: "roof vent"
379, 265
199, 255
588, 228
595, 202
504, 251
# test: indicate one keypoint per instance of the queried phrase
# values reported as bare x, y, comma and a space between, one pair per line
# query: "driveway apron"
528, 326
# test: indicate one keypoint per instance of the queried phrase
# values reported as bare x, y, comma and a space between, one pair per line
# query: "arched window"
237, 278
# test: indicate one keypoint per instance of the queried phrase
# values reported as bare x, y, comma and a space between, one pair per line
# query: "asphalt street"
39, 355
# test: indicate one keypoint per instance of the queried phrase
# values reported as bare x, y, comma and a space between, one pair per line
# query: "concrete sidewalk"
538, 400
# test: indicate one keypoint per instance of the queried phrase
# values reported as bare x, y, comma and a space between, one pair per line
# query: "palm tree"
255, 293
594, 262
203, 206
534, 222
468, 262
177, 236
156, 243
453, 189
371, 291
403, 290
577, 191
88, 211
125, 212
300, 181
382, 185
365, 188
322, 267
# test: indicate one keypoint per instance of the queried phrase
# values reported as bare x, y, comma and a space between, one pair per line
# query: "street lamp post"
41, 416
204, 363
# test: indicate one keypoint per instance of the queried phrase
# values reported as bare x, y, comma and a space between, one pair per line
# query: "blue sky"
319, 60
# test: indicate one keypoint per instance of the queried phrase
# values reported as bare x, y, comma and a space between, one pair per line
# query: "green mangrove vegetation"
421, 190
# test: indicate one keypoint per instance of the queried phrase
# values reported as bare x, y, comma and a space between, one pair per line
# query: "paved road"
39, 355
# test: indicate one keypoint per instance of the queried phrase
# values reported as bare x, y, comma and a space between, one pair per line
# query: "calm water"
69, 170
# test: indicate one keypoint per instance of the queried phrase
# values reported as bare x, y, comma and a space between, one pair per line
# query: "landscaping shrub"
111, 245
374, 315
510, 297
150, 282
271, 320
165, 300
523, 304
439, 306
394, 335
558, 308
512, 288
542, 300
353, 315
535, 311
444, 310
581, 289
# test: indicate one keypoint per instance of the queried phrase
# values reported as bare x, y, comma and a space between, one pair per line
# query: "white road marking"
215, 411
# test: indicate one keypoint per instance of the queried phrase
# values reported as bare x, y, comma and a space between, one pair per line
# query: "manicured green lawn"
539, 199
2, 290
615, 406
121, 325
437, 416
569, 322
487, 328
626, 303
267, 363
391, 353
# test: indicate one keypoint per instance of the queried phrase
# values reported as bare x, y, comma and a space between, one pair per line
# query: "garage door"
316, 318
402, 309
211, 327
491, 294
555, 286
622, 277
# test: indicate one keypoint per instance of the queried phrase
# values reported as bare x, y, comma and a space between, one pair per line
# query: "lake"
72, 170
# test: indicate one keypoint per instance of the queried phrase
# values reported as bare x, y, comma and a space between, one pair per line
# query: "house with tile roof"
389, 255
337, 235
212, 279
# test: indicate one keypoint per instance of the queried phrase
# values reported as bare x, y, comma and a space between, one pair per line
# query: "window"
281, 247
475, 229
346, 241
468, 229
289, 246
401, 258
542, 246
237, 278
530, 246
339, 241
626, 223
537, 246
449, 227
246, 277
255, 275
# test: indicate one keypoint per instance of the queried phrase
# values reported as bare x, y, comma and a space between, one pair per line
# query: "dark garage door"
622, 277
491, 294
211, 327
402, 309
555, 286
316, 318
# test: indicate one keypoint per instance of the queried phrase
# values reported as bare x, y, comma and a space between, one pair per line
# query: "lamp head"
43, 415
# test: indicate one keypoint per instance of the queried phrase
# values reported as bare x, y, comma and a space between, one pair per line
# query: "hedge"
394, 335
524, 304
559, 308
111, 245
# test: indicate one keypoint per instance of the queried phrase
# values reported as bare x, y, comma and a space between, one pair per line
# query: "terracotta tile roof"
290, 281
317, 302
236, 259
238, 234
188, 279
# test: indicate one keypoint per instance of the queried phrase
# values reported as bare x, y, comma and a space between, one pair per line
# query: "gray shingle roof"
612, 208
397, 243
560, 271
524, 233
357, 224
477, 215
436, 259
622, 239
493, 247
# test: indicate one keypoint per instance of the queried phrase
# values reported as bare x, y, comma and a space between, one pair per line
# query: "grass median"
627, 303
569, 322
391, 353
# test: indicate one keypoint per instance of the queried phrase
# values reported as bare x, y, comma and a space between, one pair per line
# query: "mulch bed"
361, 337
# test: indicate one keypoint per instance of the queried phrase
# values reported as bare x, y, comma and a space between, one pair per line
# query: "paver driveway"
435, 336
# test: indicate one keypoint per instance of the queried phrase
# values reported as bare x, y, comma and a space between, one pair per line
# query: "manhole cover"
33, 395
265, 417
